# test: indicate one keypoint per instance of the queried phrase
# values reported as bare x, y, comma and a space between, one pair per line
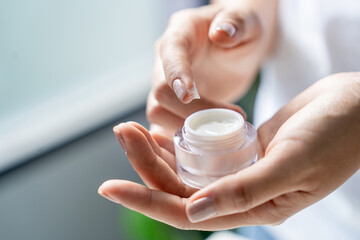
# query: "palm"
299, 151
156, 165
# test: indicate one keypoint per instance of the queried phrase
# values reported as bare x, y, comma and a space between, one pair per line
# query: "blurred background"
70, 71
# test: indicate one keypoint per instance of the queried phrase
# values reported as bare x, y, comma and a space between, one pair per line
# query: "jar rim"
216, 141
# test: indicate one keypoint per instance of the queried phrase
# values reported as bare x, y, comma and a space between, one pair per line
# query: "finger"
170, 209
167, 148
171, 160
164, 96
153, 170
155, 128
240, 192
232, 27
164, 142
162, 153
175, 53
151, 141
159, 115
268, 130
152, 203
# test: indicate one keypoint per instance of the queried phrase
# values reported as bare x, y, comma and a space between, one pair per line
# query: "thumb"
238, 193
232, 27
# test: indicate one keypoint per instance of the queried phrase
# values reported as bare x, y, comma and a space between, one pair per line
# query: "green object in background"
139, 227
247, 102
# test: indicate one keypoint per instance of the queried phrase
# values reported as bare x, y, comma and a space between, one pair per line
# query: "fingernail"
201, 209
119, 136
226, 27
179, 89
191, 95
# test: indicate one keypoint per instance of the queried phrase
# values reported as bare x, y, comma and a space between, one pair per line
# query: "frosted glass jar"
213, 143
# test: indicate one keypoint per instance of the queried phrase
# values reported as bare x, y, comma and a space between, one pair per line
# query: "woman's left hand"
306, 151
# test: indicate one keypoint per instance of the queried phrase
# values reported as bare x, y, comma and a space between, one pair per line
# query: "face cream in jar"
213, 143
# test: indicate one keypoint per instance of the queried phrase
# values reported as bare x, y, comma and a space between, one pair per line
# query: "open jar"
213, 143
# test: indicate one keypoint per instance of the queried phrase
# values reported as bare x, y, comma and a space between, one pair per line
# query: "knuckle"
243, 200
277, 222
182, 221
182, 225
277, 218
161, 91
178, 40
169, 41
276, 215
309, 181
153, 112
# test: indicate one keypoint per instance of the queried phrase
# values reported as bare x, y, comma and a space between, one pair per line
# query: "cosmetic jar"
213, 143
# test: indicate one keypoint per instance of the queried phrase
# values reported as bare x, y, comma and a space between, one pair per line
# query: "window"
67, 67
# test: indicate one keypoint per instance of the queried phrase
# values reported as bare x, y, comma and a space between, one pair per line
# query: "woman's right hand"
306, 150
220, 47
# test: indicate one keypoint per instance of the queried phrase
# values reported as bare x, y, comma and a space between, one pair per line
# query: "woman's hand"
152, 154
220, 47
307, 150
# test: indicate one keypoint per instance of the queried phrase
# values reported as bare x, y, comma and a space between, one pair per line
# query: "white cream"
215, 128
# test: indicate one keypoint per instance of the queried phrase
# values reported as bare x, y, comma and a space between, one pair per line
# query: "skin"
193, 50
306, 150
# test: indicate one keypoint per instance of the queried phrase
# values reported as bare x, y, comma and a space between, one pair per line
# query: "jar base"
200, 181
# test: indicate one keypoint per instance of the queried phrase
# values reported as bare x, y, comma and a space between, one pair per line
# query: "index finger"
175, 56
176, 45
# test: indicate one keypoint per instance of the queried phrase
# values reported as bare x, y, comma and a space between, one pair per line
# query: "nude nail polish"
201, 209
183, 94
226, 27
179, 89
191, 95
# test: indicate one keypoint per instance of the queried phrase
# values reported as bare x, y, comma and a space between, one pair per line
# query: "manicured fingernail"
179, 89
119, 136
226, 27
191, 95
201, 209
